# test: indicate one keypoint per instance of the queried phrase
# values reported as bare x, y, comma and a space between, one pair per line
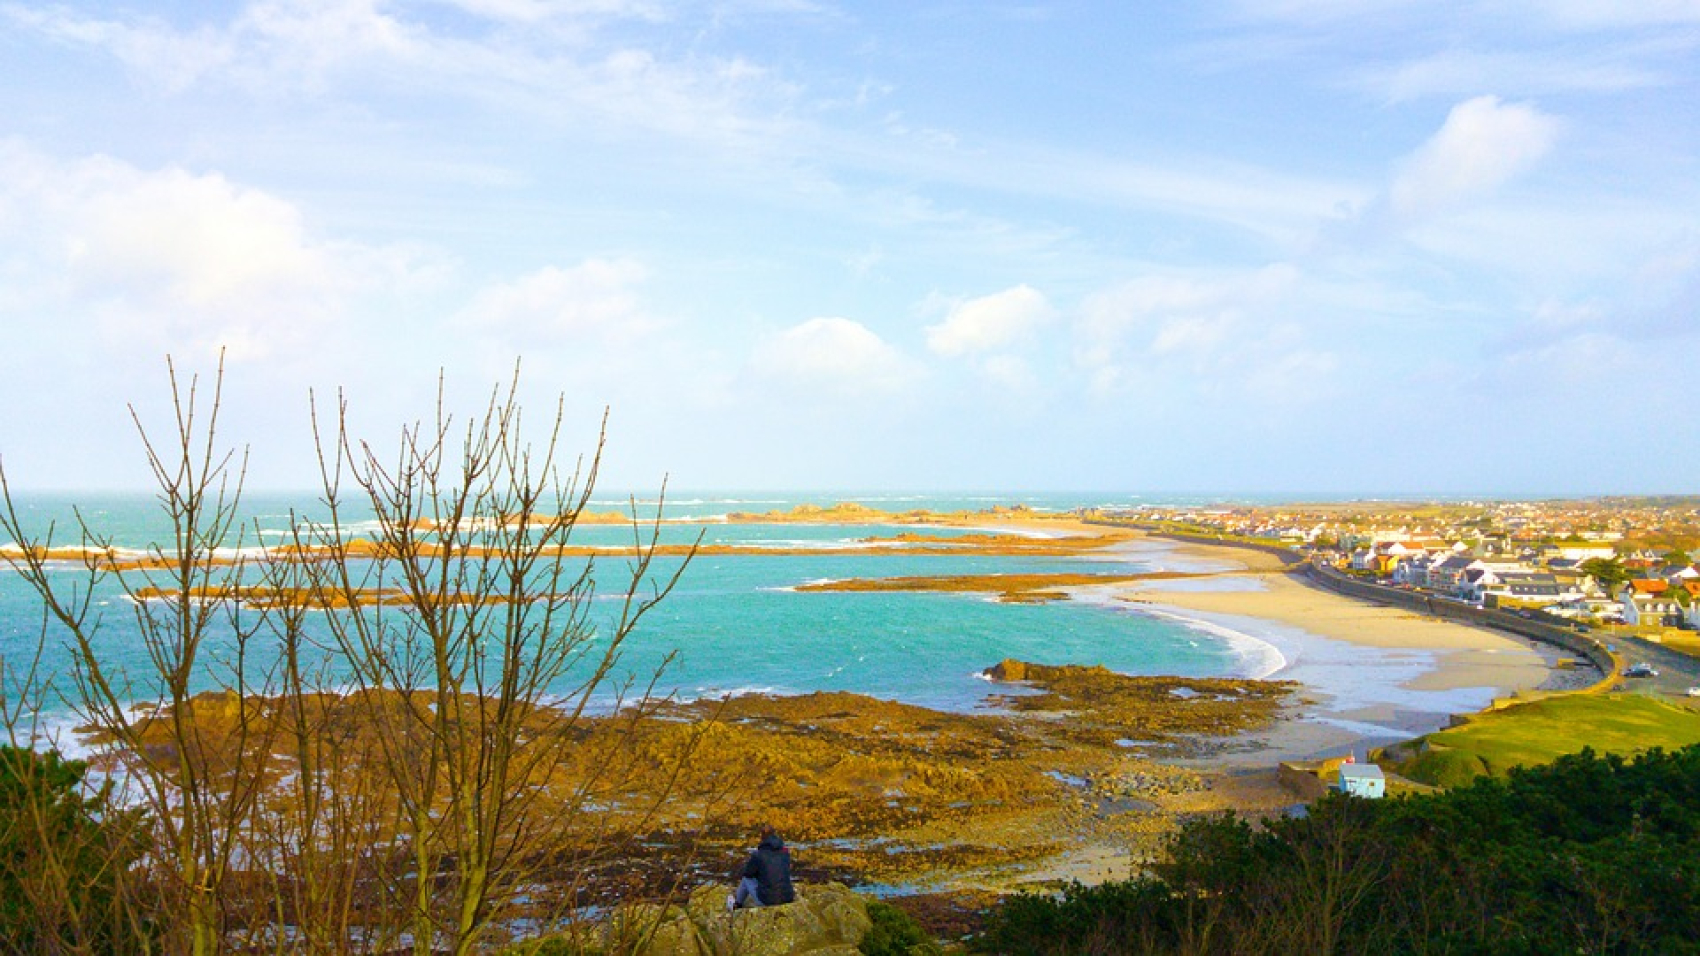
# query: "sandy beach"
1371, 675
1374, 674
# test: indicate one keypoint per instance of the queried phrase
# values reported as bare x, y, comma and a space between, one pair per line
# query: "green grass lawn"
1541, 731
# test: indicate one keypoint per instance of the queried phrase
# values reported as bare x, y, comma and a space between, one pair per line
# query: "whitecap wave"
57, 730
1261, 659
797, 544
742, 690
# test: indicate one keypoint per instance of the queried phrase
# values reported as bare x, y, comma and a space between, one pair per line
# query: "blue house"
1362, 780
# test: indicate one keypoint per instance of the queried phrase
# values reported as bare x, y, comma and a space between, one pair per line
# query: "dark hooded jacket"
770, 867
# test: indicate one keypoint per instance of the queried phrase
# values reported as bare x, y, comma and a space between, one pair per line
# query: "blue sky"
1274, 246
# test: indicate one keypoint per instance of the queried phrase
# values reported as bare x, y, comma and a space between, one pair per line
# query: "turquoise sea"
735, 622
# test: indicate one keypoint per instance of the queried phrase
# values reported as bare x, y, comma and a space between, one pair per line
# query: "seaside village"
1614, 562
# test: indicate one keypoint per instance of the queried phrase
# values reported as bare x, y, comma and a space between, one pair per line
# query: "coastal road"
1677, 672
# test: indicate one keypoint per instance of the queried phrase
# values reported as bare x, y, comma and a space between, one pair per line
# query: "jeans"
747, 895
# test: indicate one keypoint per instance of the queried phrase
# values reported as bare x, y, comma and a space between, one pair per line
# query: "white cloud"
537, 11
154, 261
1293, 376
1656, 301
1610, 364
1010, 373
176, 58
594, 299
1224, 335
834, 354
556, 66
308, 37
990, 323
1197, 334
1454, 72
1136, 304
1483, 144
172, 260
1579, 15
201, 240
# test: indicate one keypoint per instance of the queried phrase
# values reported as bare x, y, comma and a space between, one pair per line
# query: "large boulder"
826, 920
648, 928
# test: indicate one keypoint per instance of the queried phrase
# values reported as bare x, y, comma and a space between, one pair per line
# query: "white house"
1648, 601
1678, 575
1481, 577
1362, 780
1527, 587
1413, 572
1445, 574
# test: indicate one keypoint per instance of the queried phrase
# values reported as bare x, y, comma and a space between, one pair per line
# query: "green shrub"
895, 933
1442, 766
1081, 919
66, 860
1591, 853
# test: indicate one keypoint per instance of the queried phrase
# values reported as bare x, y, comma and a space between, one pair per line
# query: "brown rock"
826, 920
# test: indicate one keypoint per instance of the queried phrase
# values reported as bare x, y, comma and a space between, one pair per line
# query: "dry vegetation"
407, 745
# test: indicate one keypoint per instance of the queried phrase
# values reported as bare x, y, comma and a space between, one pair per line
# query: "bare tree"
196, 765
469, 633
364, 739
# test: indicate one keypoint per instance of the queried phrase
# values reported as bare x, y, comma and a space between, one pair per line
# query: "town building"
1362, 780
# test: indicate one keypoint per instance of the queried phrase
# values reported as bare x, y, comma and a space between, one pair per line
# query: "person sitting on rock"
766, 877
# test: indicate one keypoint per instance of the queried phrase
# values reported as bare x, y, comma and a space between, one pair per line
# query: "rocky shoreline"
903, 799
885, 796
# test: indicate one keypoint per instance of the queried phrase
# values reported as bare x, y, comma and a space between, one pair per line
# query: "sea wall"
1562, 637
1341, 583
1301, 778
1284, 552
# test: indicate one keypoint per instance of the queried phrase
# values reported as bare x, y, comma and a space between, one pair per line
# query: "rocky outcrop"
826, 920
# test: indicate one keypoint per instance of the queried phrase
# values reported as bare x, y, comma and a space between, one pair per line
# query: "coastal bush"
1592, 853
1106, 918
895, 933
1443, 766
66, 859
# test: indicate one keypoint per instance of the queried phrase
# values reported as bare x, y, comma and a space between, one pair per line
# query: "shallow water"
734, 622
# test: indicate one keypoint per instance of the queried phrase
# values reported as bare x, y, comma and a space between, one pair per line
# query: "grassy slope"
1541, 731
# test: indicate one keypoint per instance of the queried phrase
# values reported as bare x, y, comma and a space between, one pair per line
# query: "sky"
1272, 246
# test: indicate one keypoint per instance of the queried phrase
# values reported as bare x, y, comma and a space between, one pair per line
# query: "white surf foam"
1261, 659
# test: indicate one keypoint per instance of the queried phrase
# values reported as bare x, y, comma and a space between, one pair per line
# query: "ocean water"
735, 623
